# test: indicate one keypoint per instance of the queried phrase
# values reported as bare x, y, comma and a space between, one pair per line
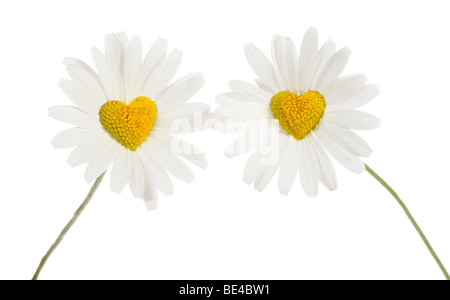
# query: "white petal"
349, 161
164, 158
308, 168
186, 118
180, 91
181, 148
121, 171
156, 53
242, 110
186, 110
102, 162
285, 59
150, 195
333, 68
226, 98
82, 154
114, 54
251, 169
84, 90
352, 119
277, 51
78, 96
344, 88
288, 166
326, 169
71, 137
70, 61
131, 65
359, 98
308, 57
241, 145
266, 176
156, 176
346, 139
73, 115
261, 66
262, 85
137, 178
249, 92
191, 153
105, 73
162, 74
325, 52
267, 171
91, 149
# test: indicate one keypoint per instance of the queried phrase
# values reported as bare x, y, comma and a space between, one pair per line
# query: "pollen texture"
298, 115
129, 124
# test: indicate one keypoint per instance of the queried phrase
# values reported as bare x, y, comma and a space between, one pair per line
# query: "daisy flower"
123, 115
312, 110
126, 114
308, 104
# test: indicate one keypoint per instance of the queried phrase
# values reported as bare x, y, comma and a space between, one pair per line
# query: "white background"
218, 227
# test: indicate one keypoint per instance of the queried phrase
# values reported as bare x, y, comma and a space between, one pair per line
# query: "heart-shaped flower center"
129, 124
298, 115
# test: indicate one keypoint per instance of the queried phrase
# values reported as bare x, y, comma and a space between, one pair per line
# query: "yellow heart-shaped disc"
129, 124
298, 115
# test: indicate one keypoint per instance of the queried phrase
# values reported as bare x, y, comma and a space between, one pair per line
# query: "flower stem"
69, 225
410, 217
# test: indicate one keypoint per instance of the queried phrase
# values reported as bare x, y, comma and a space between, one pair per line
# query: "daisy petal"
104, 73
333, 68
241, 145
85, 89
243, 110
267, 171
346, 139
180, 91
115, 51
137, 178
261, 65
266, 176
121, 171
308, 168
308, 57
165, 159
131, 63
106, 157
288, 166
162, 74
325, 52
249, 92
150, 195
156, 53
71, 61
352, 119
358, 99
251, 169
157, 176
191, 153
72, 115
349, 161
70, 137
326, 169
344, 87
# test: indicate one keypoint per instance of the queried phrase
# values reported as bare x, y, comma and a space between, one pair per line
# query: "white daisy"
124, 113
311, 107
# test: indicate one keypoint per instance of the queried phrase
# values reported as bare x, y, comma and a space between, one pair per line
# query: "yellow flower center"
298, 115
129, 124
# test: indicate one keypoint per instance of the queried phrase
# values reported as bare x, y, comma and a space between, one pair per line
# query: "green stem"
69, 225
410, 217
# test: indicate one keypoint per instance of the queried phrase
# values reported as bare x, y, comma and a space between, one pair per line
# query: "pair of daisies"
128, 111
